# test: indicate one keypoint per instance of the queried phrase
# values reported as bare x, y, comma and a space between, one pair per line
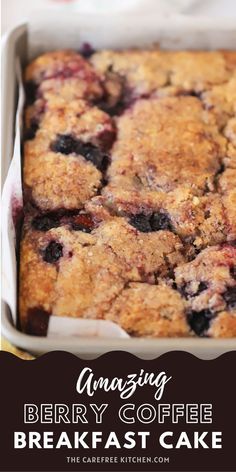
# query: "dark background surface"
52, 379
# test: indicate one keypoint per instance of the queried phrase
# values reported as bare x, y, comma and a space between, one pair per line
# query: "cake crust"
129, 175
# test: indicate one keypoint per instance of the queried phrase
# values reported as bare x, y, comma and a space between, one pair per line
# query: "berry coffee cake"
129, 179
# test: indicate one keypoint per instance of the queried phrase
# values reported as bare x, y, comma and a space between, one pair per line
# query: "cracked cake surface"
129, 177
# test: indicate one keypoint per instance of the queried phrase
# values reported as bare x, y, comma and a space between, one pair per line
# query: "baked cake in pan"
129, 175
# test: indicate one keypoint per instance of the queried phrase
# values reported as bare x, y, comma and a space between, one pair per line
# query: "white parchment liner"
12, 203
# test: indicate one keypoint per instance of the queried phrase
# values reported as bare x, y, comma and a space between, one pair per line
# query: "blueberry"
44, 223
93, 154
65, 144
32, 130
31, 92
159, 221
141, 223
87, 50
147, 223
37, 321
53, 252
199, 321
230, 297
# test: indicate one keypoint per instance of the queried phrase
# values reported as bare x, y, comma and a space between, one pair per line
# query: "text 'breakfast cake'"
129, 175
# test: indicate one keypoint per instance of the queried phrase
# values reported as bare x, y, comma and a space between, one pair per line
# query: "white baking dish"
110, 32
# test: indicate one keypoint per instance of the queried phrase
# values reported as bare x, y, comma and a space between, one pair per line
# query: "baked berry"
230, 297
37, 321
141, 222
31, 92
93, 154
147, 223
87, 50
160, 221
53, 252
82, 223
199, 321
45, 223
65, 144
